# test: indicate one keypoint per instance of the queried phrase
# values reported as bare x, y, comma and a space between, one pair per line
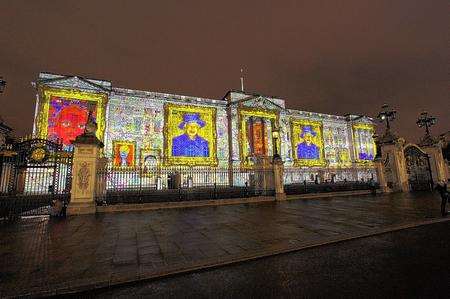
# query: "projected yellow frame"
116, 144
43, 110
173, 116
243, 114
356, 144
296, 130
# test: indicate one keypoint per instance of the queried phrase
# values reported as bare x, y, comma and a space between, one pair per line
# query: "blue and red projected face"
307, 142
67, 118
124, 153
190, 143
190, 135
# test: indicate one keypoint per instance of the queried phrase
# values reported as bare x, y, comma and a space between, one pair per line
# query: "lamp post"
275, 137
387, 114
426, 121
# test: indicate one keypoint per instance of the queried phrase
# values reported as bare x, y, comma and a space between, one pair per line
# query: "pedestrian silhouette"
441, 187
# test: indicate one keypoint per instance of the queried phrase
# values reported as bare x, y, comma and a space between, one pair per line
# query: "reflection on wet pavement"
39, 255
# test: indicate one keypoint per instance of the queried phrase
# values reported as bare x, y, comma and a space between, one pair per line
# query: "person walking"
441, 187
373, 186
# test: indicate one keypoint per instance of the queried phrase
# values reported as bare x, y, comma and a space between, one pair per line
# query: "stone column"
262, 171
7, 167
86, 163
379, 167
393, 154
278, 177
437, 162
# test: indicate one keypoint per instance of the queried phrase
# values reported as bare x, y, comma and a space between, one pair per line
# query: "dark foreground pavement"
411, 263
46, 257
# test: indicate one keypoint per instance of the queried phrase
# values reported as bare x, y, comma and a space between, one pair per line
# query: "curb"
83, 286
219, 202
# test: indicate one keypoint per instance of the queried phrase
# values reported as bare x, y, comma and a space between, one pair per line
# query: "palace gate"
418, 168
34, 175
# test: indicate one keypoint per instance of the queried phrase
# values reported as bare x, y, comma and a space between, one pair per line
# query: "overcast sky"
337, 57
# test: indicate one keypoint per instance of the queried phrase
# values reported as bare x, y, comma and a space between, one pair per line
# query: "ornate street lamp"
387, 114
275, 137
426, 121
2, 84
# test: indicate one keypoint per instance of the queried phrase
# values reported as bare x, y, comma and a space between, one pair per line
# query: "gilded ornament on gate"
38, 155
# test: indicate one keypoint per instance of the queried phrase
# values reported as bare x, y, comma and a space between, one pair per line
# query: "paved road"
41, 256
412, 263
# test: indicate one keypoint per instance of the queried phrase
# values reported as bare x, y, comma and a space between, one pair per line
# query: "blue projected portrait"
190, 144
366, 156
307, 149
365, 152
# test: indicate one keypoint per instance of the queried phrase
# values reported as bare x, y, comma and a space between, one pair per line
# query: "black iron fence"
295, 175
302, 181
29, 186
157, 184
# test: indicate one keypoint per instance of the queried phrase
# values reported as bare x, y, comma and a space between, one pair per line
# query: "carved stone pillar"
437, 162
263, 176
379, 167
392, 154
86, 163
278, 177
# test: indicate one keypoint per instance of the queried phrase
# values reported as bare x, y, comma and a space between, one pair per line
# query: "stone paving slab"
42, 257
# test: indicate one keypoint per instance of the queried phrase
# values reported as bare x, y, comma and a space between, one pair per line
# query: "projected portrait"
62, 114
365, 149
190, 135
307, 142
67, 118
124, 153
190, 143
307, 149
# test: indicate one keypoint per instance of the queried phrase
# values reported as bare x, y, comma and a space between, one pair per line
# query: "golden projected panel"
307, 142
257, 129
364, 144
336, 146
124, 153
62, 113
190, 135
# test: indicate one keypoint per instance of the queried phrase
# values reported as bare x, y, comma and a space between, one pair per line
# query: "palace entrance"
418, 168
34, 174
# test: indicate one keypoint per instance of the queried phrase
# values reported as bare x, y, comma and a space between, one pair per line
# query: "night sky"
332, 56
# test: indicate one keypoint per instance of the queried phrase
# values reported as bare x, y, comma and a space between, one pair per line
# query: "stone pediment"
359, 119
75, 82
260, 102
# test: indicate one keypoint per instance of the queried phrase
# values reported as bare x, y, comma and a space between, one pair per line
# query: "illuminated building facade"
141, 128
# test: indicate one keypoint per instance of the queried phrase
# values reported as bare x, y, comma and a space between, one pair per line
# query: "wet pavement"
44, 257
411, 263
